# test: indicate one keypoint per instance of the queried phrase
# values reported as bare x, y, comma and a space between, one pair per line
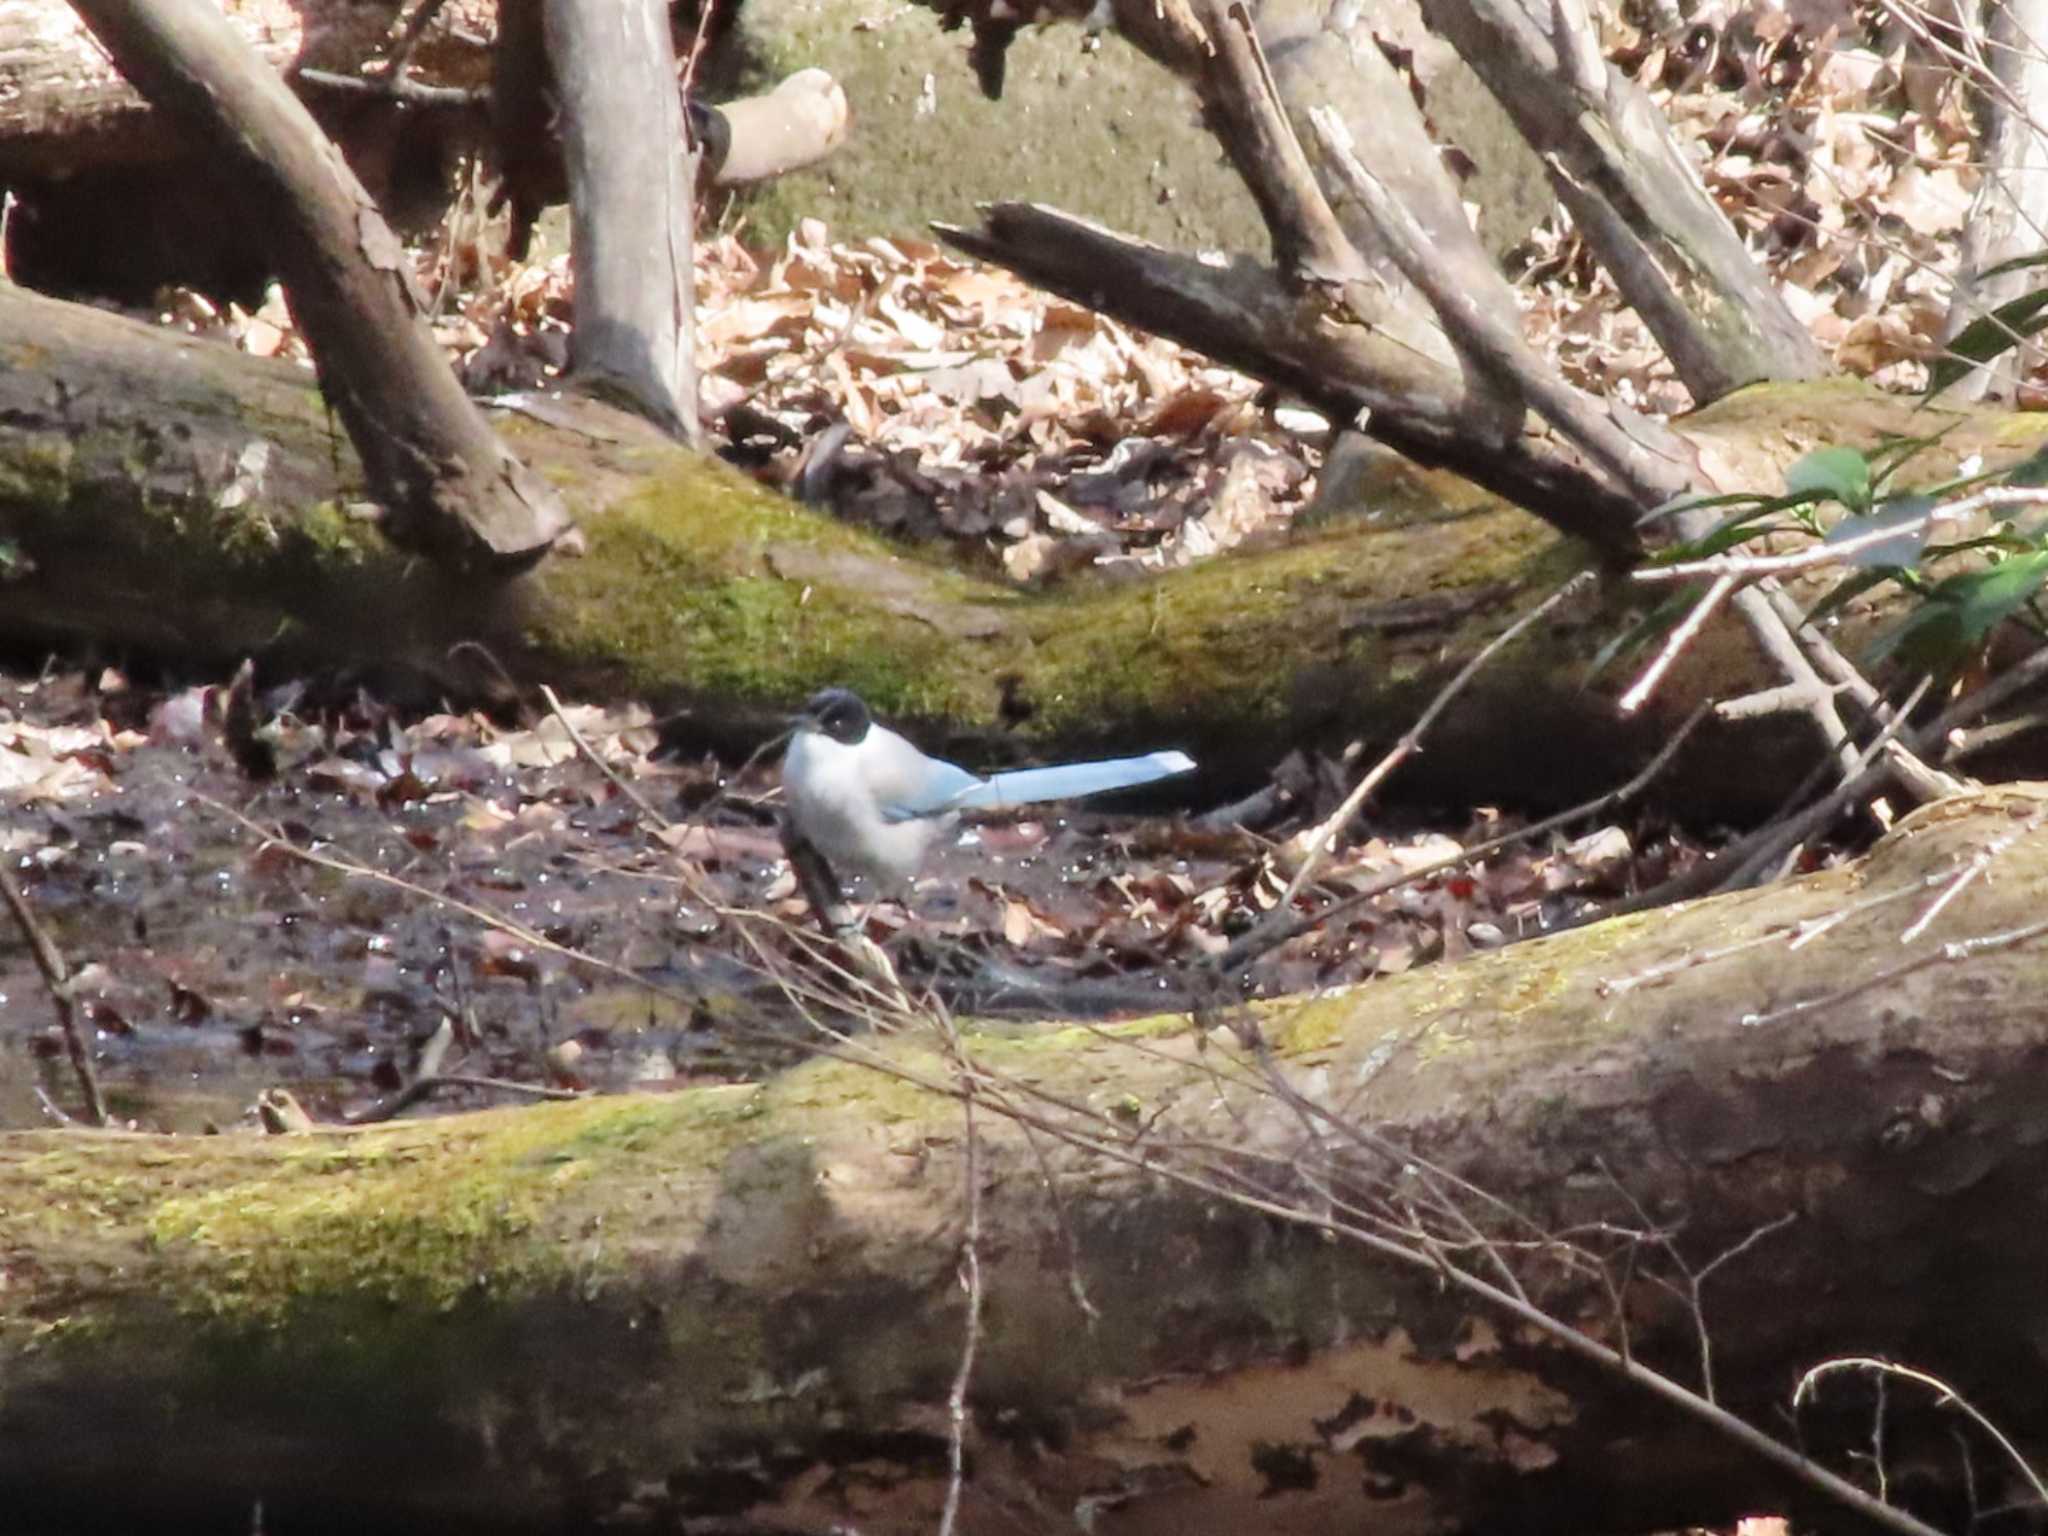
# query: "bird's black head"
839, 714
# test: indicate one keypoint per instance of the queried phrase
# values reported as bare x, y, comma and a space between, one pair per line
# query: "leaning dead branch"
446, 482
1246, 315
1644, 458
1633, 193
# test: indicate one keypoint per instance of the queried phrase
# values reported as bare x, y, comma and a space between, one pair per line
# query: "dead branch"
447, 484
1242, 314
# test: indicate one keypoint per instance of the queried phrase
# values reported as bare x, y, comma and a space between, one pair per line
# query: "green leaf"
1894, 453
1650, 626
2014, 264
1941, 490
1745, 524
2000, 541
1729, 533
1985, 598
1838, 474
1945, 630
1689, 502
1986, 337
1902, 548
1846, 591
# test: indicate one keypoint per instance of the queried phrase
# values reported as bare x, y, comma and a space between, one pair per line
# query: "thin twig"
1775, 842
1944, 1393
639, 801
1720, 1421
416, 25
1321, 839
1676, 642
1269, 936
425, 1087
1793, 935
409, 91
686, 76
1842, 551
970, 1282
61, 981
1952, 953
1924, 782
1980, 861
51, 1107
2015, 680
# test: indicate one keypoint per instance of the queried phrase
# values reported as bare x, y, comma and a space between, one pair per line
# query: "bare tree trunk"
2009, 216
632, 180
445, 481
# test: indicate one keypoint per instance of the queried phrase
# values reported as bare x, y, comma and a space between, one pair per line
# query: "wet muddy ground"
312, 900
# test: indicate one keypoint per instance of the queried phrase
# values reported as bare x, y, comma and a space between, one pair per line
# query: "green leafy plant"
1883, 532
1992, 335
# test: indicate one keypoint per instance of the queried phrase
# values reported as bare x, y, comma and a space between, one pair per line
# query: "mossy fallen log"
169, 496
744, 1305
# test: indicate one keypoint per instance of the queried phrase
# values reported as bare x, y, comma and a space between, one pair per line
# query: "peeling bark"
743, 1303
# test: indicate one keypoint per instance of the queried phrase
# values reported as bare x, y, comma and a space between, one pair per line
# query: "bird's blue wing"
1069, 781
906, 784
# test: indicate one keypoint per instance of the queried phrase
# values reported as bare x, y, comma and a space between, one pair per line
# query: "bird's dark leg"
836, 916
820, 886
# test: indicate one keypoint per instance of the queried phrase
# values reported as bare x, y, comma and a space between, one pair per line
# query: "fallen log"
65, 110
744, 1305
167, 495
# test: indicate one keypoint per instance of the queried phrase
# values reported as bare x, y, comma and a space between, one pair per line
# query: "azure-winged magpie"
867, 800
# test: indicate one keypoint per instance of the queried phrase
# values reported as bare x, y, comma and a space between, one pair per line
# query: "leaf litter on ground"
312, 931
899, 385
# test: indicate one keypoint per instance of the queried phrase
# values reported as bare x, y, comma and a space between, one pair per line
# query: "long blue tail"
1069, 781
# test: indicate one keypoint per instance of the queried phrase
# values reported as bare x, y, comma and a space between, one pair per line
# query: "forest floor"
301, 899
303, 905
